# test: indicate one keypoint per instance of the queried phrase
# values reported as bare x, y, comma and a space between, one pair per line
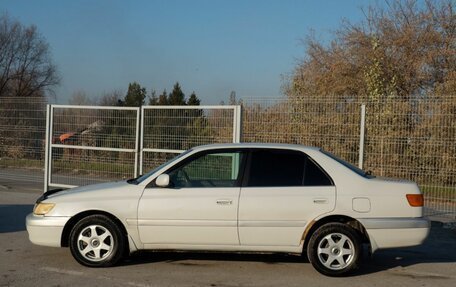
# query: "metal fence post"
46, 150
362, 129
51, 127
137, 150
237, 124
141, 142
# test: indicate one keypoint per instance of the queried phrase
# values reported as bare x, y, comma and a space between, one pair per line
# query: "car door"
282, 192
200, 205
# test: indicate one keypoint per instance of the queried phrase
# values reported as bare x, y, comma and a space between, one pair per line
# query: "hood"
89, 189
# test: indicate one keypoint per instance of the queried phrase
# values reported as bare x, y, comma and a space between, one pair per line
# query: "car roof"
257, 145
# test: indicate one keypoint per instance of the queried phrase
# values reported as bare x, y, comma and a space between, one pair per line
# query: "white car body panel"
258, 219
117, 198
278, 216
189, 216
46, 230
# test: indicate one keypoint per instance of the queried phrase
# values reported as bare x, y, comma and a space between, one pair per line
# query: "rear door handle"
320, 200
224, 201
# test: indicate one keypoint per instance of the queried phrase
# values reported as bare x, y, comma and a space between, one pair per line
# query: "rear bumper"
396, 232
46, 231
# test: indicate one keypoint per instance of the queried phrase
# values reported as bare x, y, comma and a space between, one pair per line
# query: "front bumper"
396, 232
45, 230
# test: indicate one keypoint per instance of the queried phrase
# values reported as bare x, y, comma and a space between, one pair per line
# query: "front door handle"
224, 201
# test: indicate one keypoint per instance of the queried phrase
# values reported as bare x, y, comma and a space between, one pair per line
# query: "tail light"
415, 200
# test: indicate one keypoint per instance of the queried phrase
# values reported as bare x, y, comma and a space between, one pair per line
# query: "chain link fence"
331, 125
416, 140
169, 130
22, 130
412, 139
91, 144
409, 139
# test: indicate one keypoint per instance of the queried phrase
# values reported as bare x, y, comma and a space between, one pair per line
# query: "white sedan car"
236, 197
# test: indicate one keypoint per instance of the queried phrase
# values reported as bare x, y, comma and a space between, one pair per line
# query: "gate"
92, 144
170, 130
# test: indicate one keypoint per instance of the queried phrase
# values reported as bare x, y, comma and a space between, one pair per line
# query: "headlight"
42, 208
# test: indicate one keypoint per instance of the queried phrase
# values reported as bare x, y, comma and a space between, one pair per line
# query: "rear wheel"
335, 249
97, 241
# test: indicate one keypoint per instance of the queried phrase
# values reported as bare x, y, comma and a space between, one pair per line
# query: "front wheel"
335, 249
97, 241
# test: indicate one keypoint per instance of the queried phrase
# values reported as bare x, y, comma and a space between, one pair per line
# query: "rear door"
283, 190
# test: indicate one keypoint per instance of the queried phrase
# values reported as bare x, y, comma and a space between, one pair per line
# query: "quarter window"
314, 175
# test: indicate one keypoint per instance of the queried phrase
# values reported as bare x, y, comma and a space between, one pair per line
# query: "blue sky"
210, 47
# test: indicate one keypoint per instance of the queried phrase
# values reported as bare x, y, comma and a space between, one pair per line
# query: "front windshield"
144, 176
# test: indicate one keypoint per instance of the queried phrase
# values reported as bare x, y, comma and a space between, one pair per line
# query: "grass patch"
442, 192
66, 167
21, 163
91, 168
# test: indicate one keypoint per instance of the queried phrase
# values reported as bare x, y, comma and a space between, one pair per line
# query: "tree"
135, 95
111, 98
26, 71
163, 99
176, 97
80, 98
405, 50
232, 99
153, 99
186, 125
26, 68
401, 63
193, 100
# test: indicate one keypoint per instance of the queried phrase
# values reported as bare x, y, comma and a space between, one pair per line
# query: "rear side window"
276, 168
284, 168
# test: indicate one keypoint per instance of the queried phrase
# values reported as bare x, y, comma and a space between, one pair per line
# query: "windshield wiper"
133, 180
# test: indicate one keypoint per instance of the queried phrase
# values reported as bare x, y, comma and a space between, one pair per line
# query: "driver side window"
219, 169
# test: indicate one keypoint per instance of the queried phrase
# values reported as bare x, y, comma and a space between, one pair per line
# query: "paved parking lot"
24, 264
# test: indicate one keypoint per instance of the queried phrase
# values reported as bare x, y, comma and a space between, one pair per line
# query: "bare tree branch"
26, 68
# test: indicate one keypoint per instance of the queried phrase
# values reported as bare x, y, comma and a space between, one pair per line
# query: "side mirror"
162, 180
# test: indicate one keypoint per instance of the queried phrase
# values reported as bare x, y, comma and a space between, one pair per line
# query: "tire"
335, 249
97, 241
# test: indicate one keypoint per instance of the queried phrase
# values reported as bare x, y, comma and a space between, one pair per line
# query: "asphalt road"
24, 264
21, 180
32, 180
